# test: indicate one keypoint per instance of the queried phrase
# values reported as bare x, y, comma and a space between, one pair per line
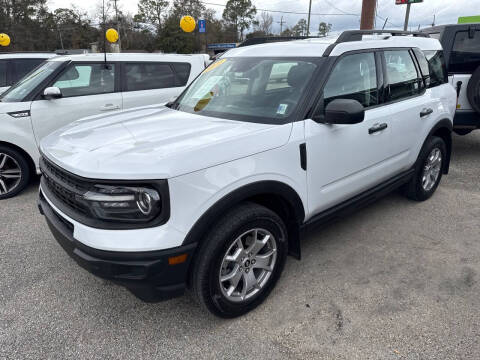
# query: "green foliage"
301, 28
155, 27
239, 14
151, 12
324, 29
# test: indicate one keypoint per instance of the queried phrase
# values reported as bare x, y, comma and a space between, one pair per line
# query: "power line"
286, 12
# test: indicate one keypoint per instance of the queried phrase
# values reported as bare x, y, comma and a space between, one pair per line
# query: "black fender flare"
275, 189
444, 129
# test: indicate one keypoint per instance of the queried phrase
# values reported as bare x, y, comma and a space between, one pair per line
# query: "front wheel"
240, 261
14, 172
428, 170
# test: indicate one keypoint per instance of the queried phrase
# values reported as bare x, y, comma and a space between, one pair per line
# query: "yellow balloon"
112, 35
4, 40
187, 23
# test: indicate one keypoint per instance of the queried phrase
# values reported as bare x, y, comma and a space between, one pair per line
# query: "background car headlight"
124, 203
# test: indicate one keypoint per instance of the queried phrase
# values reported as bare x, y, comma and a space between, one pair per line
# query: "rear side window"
422, 61
86, 79
3, 73
402, 76
22, 67
437, 68
147, 76
465, 57
354, 77
182, 72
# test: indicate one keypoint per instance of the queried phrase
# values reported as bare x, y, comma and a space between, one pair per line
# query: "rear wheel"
240, 261
14, 172
428, 170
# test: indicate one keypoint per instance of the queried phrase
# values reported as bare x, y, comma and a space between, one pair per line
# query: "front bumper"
148, 275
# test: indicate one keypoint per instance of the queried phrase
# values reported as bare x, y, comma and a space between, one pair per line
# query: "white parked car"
68, 88
15, 65
213, 191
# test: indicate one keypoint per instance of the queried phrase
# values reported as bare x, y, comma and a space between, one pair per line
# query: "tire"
473, 90
14, 172
211, 263
419, 188
462, 132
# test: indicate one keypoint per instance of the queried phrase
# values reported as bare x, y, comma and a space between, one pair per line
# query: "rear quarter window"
465, 57
182, 72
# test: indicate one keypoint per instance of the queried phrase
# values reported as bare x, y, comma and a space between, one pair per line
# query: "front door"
344, 160
87, 89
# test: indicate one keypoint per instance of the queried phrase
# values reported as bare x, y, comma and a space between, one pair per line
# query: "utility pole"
118, 24
368, 14
309, 13
407, 16
281, 22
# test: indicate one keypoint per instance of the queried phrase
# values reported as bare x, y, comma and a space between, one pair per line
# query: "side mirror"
344, 111
52, 92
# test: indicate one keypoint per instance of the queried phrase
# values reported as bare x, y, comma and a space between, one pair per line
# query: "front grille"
64, 186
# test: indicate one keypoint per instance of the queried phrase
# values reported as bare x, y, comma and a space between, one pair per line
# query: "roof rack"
357, 35
270, 39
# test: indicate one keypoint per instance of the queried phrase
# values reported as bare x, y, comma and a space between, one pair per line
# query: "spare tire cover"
473, 90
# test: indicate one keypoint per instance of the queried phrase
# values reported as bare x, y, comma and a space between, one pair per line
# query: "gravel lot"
397, 280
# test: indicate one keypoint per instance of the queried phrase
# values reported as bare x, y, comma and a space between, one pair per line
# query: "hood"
156, 143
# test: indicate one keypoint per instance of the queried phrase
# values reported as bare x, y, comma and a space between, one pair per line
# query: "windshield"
249, 89
28, 83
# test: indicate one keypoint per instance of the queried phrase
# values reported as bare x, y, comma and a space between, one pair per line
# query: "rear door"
152, 83
408, 103
87, 89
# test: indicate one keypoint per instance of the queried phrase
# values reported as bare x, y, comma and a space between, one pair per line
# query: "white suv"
67, 88
213, 191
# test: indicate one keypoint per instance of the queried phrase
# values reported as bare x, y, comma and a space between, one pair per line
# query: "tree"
239, 14
151, 12
263, 24
287, 32
301, 28
324, 29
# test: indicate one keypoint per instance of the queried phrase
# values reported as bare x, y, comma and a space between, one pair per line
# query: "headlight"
124, 203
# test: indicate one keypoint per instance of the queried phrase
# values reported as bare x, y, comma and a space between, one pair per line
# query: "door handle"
109, 107
426, 112
377, 127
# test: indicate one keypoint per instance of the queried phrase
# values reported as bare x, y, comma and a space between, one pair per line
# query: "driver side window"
354, 77
86, 79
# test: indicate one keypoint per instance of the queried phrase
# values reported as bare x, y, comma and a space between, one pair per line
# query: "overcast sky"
446, 11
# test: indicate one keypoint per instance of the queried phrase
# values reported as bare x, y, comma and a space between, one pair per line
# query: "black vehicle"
461, 45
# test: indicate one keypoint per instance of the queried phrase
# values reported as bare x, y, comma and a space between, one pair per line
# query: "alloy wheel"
10, 174
248, 264
431, 169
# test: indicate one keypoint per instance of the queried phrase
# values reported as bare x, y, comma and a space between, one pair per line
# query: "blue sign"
221, 46
202, 26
